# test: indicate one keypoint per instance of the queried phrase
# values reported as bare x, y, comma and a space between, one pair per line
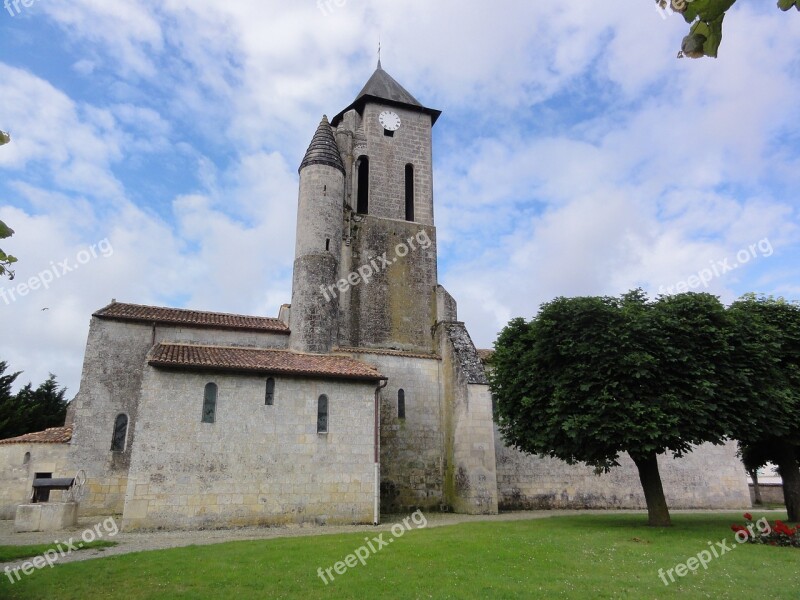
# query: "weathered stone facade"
191, 420
256, 463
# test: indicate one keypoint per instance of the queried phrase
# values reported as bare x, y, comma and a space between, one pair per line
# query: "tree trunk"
657, 509
790, 473
756, 488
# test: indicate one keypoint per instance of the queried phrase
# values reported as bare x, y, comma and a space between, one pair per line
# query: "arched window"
27, 458
270, 395
210, 403
362, 206
401, 404
322, 414
120, 433
409, 192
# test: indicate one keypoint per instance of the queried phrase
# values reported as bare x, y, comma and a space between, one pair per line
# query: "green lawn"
585, 556
15, 553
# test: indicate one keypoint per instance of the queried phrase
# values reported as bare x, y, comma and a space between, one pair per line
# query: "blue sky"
155, 146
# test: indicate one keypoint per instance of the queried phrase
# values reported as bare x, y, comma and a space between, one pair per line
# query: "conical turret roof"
323, 149
384, 89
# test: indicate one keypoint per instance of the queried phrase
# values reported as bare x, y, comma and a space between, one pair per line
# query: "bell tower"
385, 141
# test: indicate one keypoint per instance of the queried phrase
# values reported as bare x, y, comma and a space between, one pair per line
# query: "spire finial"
379, 53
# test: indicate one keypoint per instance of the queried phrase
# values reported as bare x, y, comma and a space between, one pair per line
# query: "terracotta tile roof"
386, 352
259, 360
485, 355
118, 311
54, 435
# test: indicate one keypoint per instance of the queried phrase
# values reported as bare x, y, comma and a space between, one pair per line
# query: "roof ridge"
143, 313
194, 310
260, 360
40, 437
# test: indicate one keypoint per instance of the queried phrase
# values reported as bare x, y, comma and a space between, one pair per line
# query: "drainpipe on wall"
377, 508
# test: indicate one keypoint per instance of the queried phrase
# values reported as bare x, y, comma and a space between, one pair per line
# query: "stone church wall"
710, 477
221, 337
110, 383
412, 470
470, 477
255, 464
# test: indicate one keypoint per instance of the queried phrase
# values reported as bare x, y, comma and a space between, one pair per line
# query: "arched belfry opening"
409, 192
362, 204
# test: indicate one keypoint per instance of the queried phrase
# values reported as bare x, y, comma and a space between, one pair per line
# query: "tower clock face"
390, 120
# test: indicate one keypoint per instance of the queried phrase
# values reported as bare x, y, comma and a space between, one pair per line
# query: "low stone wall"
709, 477
771, 493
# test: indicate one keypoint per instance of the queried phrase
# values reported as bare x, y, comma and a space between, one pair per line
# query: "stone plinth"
55, 516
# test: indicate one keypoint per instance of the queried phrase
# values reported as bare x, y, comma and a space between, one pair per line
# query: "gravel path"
159, 540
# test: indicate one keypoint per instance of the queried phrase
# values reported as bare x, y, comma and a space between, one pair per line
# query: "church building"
366, 395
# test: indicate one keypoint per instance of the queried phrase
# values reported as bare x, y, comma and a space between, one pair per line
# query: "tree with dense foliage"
591, 378
767, 354
6, 260
706, 17
8, 414
30, 410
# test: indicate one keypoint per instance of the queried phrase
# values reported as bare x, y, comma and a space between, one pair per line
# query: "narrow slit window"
401, 404
120, 433
328, 245
210, 403
362, 206
322, 414
409, 192
269, 399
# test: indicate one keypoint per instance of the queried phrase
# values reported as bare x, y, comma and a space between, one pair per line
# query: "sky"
155, 148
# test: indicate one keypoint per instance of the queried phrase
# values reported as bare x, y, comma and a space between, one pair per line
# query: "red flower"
781, 527
748, 516
738, 528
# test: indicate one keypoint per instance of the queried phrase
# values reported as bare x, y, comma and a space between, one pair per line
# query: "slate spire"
382, 88
323, 149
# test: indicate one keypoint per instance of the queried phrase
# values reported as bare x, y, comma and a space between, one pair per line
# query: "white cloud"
576, 155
